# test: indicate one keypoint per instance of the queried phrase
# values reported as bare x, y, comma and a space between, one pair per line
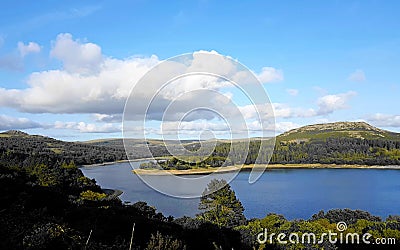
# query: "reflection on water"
296, 193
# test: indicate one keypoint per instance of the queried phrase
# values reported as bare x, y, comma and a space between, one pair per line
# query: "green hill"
338, 143
352, 143
361, 130
21, 143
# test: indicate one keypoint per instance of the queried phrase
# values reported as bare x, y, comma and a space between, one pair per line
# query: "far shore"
200, 171
260, 167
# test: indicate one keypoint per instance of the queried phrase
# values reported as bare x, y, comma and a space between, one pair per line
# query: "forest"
326, 151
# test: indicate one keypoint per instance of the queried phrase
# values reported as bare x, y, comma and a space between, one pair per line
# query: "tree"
220, 205
161, 242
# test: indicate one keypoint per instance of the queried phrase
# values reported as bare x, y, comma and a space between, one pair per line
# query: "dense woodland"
327, 151
52, 150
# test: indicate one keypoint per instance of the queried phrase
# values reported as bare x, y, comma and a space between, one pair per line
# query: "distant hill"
331, 143
24, 144
361, 130
338, 143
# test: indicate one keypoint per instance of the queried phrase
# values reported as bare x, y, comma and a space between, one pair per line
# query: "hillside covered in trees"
336, 143
21, 145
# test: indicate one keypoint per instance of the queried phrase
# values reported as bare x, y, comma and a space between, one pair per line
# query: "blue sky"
326, 60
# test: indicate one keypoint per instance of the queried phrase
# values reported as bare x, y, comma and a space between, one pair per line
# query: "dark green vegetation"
221, 206
47, 203
139, 148
185, 163
41, 149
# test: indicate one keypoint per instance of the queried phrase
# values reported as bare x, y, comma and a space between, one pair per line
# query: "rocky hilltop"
360, 130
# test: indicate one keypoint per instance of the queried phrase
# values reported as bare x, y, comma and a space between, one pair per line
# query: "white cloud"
357, 76
58, 91
280, 110
269, 74
384, 120
88, 127
108, 118
292, 92
8, 122
93, 83
77, 57
326, 105
330, 103
31, 47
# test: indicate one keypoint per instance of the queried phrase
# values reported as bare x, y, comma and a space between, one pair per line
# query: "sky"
68, 67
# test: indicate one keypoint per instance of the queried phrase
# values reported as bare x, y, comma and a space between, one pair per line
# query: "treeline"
328, 151
44, 149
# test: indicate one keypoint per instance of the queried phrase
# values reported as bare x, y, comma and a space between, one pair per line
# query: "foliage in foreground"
220, 205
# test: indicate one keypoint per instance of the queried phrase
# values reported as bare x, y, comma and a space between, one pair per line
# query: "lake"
294, 193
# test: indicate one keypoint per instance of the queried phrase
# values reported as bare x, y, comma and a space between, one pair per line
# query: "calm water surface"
295, 193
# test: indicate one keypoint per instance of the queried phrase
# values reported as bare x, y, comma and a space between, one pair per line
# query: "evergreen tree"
220, 205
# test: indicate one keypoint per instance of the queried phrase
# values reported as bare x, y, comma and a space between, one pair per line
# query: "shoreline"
247, 168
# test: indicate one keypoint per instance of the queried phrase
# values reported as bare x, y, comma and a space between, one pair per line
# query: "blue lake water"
294, 193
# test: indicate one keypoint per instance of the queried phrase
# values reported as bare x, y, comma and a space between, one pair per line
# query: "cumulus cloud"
329, 103
88, 127
8, 122
91, 82
384, 120
77, 57
357, 76
269, 74
58, 91
31, 47
292, 92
